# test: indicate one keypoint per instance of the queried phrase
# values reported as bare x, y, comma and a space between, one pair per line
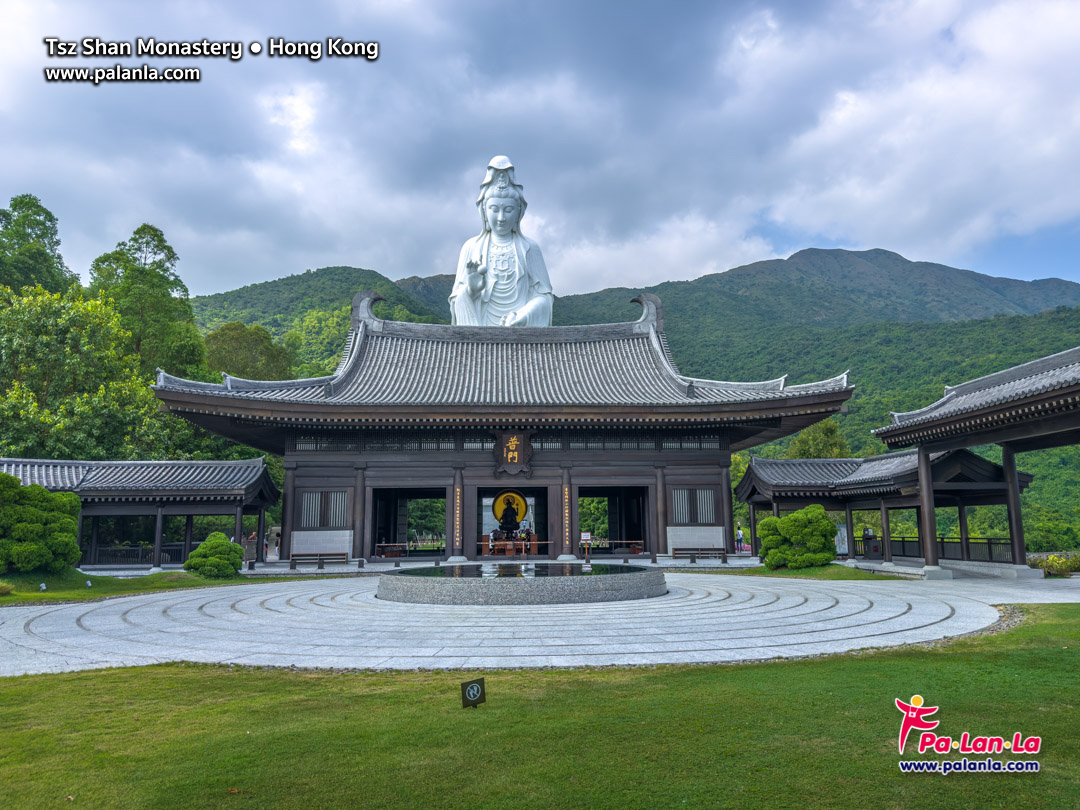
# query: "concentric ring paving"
339, 623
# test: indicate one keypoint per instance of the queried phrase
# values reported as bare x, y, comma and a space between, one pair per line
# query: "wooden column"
239, 525
455, 541
727, 514
927, 523
358, 503
661, 512
566, 549
849, 524
287, 506
1012, 501
965, 539
260, 536
189, 534
753, 530
886, 534
94, 539
775, 509
159, 530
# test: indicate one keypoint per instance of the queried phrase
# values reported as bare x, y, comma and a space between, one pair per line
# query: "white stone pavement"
340, 624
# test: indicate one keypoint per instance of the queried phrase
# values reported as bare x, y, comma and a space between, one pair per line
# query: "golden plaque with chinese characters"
513, 452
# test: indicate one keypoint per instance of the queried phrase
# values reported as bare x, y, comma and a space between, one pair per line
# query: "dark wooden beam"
927, 524
159, 529
727, 515
1016, 520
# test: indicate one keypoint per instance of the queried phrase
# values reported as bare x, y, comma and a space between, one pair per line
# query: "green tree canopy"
820, 440
30, 246
68, 388
140, 278
247, 351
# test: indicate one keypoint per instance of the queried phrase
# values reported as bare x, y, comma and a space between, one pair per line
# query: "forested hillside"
277, 305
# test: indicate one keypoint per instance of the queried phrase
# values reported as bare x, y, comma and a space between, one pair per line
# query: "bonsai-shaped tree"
216, 557
799, 540
37, 527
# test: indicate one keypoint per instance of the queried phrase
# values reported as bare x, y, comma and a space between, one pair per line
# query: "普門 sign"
513, 452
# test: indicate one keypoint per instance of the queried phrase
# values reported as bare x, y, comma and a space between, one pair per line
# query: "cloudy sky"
654, 140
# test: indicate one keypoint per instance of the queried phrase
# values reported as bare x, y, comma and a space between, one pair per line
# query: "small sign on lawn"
473, 693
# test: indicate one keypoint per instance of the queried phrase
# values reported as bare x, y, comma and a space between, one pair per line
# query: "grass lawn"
801, 734
820, 572
70, 586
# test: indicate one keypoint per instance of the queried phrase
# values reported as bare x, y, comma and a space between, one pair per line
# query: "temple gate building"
473, 415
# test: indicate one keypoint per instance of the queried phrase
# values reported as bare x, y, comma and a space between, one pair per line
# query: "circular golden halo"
499, 504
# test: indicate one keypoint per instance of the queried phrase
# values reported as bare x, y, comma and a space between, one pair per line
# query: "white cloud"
684, 246
933, 154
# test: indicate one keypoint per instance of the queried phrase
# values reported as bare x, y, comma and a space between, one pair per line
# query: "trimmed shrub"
802, 539
216, 558
6, 588
1056, 565
37, 527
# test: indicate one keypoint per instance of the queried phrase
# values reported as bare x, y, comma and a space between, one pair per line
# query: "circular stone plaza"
339, 623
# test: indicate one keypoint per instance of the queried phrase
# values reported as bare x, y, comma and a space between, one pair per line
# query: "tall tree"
247, 351
820, 440
140, 278
68, 388
30, 246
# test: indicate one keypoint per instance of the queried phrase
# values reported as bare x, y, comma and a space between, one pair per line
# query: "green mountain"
833, 286
278, 304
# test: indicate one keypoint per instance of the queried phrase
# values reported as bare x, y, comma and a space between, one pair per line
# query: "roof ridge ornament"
363, 304
652, 314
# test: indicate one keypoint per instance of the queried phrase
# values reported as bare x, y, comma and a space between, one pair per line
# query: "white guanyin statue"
501, 277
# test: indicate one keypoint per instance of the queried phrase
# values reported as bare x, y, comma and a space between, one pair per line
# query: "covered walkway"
960, 480
159, 489
1032, 406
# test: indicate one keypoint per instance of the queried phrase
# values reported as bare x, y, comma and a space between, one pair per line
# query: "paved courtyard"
339, 623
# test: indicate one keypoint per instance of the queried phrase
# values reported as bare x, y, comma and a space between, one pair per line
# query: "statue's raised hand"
475, 274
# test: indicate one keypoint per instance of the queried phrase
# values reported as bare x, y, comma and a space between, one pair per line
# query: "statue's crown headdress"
500, 174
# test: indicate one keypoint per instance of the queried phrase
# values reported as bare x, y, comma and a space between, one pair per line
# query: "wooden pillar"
189, 534
753, 530
239, 526
727, 514
94, 539
886, 534
358, 504
965, 540
849, 524
661, 512
565, 515
775, 509
927, 522
455, 541
260, 537
159, 530
287, 506
1012, 501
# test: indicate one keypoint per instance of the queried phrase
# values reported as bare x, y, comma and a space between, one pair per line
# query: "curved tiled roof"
388, 363
90, 478
1012, 384
844, 476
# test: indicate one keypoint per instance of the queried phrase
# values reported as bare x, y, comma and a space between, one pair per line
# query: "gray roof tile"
1012, 384
392, 363
90, 477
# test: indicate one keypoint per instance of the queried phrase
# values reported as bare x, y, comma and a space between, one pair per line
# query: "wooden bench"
324, 557
712, 553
